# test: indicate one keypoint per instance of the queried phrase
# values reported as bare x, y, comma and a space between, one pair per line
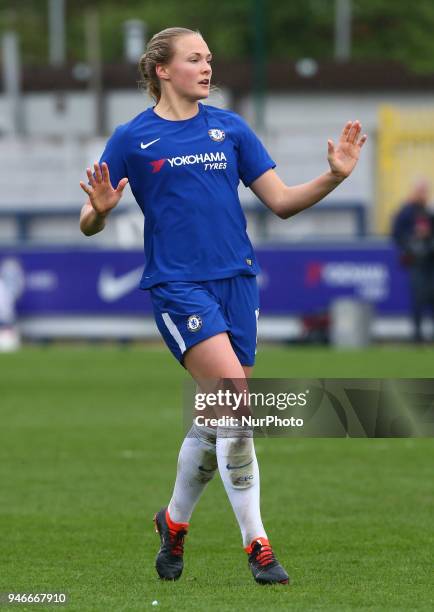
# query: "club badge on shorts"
194, 323
216, 135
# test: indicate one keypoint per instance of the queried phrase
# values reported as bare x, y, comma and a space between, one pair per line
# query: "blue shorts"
188, 312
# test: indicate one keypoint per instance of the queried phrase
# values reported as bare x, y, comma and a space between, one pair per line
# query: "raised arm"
287, 201
102, 199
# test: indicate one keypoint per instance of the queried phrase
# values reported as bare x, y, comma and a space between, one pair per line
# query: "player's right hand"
101, 194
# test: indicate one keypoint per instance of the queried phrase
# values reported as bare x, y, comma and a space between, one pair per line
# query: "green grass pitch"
88, 447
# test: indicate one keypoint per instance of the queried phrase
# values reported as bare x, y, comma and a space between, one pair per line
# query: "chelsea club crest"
194, 323
216, 135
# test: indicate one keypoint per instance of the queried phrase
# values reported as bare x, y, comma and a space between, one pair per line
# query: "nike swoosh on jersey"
237, 467
112, 288
148, 144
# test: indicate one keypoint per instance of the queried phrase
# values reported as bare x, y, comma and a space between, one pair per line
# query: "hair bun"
159, 51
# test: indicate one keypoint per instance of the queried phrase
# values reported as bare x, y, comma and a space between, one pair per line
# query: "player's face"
190, 68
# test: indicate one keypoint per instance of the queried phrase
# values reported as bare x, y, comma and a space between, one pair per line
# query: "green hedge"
382, 29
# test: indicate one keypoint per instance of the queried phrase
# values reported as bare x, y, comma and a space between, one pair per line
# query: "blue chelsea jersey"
184, 175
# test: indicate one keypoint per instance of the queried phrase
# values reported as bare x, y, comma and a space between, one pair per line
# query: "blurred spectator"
11, 288
413, 232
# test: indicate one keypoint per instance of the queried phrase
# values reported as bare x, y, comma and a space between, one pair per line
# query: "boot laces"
264, 555
177, 541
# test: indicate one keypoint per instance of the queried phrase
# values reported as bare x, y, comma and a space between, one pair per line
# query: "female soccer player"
183, 161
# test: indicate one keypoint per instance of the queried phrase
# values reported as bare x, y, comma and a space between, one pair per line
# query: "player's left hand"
343, 157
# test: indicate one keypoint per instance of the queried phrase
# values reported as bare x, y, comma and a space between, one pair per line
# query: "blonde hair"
159, 50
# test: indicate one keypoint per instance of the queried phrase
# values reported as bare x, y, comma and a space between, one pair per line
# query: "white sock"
197, 465
242, 485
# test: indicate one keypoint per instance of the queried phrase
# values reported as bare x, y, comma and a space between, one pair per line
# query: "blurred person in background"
413, 233
184, 161
11, 288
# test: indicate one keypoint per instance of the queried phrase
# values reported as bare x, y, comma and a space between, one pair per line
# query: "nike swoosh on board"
148, 144
237, 467
111, 288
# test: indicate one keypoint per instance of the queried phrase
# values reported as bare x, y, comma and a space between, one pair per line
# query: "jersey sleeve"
113, 156
253, 158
